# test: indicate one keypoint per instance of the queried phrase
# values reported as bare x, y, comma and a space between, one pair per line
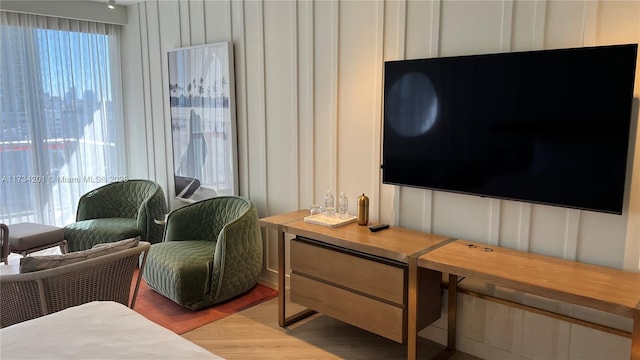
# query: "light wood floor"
254, 334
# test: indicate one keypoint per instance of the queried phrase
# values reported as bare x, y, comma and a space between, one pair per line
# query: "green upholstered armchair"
212, 251
117, 211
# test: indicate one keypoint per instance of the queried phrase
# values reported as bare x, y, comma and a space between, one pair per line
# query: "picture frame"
203, 121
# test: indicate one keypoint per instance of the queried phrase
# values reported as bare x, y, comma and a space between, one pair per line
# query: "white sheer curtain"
61, 115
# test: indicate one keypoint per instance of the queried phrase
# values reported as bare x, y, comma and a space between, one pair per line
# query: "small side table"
25, 238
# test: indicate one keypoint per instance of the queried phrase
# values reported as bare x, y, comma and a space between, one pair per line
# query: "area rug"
180, 320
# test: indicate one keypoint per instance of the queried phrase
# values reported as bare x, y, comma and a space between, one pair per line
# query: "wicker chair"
30, 295
212, 251
116, 211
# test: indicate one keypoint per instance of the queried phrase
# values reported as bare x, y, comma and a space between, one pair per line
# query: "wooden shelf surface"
598, 287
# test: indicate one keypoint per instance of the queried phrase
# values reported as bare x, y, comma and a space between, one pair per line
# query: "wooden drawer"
361, 311
366, 276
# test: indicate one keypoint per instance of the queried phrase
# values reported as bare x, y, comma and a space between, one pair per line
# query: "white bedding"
97, 330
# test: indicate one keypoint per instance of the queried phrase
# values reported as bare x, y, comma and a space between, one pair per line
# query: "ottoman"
25, 238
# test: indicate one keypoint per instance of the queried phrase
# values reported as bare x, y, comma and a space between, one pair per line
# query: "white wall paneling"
470, 27
256, 104
280, 94
309, 82
539, 22
157, 93
325, 64
305, 93
169, 39
237, 35
132, 93
358, 68
567, 18
507, 23
184, 25
197, 23
217, 21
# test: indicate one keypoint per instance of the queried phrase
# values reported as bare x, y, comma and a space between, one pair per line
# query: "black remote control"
374, 228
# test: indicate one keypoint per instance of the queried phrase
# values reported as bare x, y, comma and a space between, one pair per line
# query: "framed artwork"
203, 121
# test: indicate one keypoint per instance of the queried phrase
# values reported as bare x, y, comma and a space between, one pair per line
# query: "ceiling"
121, 2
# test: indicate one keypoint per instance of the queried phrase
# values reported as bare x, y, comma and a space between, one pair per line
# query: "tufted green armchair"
212, 251
117, 211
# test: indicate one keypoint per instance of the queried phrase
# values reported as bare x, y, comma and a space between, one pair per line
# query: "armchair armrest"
238, 254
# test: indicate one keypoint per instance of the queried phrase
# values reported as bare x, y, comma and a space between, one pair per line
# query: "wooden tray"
334, 221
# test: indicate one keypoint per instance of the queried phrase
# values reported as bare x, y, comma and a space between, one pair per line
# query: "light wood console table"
597, 287
370, 280
333, 268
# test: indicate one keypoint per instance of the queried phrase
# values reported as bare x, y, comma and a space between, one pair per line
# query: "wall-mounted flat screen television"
549, 126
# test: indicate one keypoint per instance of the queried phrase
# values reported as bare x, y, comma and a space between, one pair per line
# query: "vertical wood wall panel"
602, 239
509, 224
217, 21
618, 22
332, 149
306, 119
281, 115
524, 234
146, 88
135, 134
237, 24
169, 39
450, 208
539, 19
356, 103
197, 25
470, 27
548, 230
570, 250
412, 203
325, 91
564, 24
507, 23
401, 32
256, 105
294, 105
590, 24
156, 91
184, 13
523, 20
493, 226
393, 46
435, 27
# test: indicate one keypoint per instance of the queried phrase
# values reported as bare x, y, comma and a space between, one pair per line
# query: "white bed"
96, 330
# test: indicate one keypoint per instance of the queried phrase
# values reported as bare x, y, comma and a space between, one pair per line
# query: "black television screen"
548, 126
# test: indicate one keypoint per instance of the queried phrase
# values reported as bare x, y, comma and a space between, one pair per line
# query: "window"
61, 117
